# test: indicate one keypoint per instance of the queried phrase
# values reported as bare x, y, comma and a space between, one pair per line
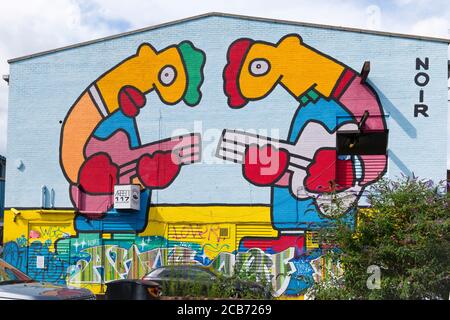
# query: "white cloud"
412, 2
37, 25
434, 26
140, 13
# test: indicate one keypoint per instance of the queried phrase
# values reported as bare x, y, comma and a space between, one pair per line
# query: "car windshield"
9, 274
181, 273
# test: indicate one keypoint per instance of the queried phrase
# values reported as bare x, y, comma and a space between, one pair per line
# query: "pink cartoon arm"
186, 148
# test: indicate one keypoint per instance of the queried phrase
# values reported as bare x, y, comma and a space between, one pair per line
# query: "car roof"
183, 267
3, 264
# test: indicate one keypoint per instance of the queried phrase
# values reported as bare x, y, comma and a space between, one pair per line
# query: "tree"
405, 235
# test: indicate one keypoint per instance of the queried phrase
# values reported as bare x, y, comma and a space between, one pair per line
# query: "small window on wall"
224, 233
362, 143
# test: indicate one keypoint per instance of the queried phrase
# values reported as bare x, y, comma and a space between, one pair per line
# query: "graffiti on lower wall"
24, 257
119, 263
87, 260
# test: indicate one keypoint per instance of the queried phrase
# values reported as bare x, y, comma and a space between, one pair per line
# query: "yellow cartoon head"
176, 72
255, 68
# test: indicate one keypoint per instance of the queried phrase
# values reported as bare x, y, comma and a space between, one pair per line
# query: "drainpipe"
44, 191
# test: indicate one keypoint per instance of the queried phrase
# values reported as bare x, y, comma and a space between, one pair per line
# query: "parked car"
128, 289
175, 278
16, 285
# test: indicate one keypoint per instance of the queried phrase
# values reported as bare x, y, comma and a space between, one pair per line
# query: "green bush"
406, 234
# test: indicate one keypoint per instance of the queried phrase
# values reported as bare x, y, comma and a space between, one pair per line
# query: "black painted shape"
363, 120
365, 72
362, 143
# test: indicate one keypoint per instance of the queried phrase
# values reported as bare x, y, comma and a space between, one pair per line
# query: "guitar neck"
233, 145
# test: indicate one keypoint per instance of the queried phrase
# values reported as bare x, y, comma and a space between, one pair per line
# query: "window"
185, 273
224, 233
362, 143
199, 274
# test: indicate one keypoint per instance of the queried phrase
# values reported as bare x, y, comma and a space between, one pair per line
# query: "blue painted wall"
2, 186
2, 199
43, 89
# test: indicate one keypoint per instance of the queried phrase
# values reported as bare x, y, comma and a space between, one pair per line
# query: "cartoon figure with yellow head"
305, 170
100, 143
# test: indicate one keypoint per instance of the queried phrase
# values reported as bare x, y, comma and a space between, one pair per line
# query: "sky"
30, 26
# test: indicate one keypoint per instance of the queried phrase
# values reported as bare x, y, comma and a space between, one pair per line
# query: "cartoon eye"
259, 67
167, 75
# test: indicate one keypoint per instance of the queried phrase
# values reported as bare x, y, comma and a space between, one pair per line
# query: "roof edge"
236, 16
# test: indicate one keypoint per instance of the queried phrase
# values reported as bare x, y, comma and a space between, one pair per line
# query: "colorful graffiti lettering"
25, 258
48, 232
106, 263
196, 232
86, 260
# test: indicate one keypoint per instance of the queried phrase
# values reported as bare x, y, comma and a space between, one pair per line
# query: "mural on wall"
87, 260
100, 142
100, 147
304, 170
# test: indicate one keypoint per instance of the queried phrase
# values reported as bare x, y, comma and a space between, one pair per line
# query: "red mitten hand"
98, 175
265, 166
131, 100
328, 174
157, 171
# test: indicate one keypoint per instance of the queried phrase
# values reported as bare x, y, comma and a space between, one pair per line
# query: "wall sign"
421, 79
127, 197
40, 262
